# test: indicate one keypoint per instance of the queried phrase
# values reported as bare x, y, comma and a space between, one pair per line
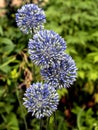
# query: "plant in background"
46, 49
79, 26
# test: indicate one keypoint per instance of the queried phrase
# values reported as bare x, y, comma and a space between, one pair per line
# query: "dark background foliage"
77, 22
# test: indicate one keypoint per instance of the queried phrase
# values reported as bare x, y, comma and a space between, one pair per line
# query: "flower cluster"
45, 47
62, 74
41, 99
47, 50
30, 18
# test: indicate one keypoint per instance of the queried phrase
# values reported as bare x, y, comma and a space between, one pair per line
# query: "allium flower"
41, 100
62, 74
30, 17
45, 46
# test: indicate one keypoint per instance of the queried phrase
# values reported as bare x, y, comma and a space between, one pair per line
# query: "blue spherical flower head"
46, 46
41, 100
62, 74
30, 17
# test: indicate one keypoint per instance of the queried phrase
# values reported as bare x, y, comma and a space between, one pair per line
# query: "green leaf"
5, 69
2, 90
1, 30
62, 92
6, 45
12, 122
96, 97
4, 109
96, 59
6, 41
93, 75
95, 34
81, 74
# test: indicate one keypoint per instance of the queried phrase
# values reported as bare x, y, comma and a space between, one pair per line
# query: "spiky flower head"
62, 74
30, 17
41, 100
45, 46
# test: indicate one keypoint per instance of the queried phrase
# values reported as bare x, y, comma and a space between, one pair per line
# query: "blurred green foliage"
77, 22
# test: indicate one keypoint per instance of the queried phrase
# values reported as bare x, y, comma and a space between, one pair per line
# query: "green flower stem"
55, 122
48, 119
41, 121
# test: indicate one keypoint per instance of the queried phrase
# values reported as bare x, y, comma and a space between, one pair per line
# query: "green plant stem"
34, 75
40, 124
79, 118
55, 122
26, 128
6, 63
48, 119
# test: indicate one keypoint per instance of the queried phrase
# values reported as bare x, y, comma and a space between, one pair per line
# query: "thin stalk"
6, 63
79, 118
48, 119
55, 122
26, 128
34, 75
40, 124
